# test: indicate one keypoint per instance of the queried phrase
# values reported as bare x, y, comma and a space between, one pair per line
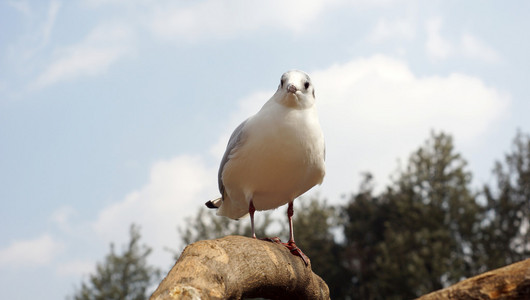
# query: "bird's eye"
281, 82
306, 85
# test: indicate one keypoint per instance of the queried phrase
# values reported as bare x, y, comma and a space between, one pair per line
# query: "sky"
119, 111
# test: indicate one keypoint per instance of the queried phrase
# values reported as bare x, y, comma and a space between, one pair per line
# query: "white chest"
281, 156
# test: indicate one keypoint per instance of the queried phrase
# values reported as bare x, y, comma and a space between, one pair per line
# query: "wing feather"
233, 142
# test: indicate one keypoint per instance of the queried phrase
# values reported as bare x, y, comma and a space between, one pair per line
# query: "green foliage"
506, 232
364, 229
417, 235
121, 276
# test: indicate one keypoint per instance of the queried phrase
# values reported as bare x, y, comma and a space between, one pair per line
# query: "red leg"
290, 212
290, 244
251, 210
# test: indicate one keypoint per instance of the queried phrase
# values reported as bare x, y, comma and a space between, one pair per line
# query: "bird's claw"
291, 246
296, 251
272, 240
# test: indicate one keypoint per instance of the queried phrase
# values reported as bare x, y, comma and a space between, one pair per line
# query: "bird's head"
295, 90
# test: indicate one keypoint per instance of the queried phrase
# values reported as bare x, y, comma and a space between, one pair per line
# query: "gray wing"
234, 140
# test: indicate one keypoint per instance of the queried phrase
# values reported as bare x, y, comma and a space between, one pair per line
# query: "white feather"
280, 154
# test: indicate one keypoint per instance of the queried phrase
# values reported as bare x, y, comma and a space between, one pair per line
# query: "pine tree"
436, 216
123, 276
506, 232
364, 220
417, 236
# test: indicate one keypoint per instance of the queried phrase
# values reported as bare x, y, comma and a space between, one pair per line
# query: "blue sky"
118, 111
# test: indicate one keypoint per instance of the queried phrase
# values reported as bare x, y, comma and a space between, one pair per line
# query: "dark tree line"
429, 229
125, 276
424, 231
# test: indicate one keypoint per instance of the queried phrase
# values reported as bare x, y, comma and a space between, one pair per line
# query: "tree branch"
234, 267
510, 282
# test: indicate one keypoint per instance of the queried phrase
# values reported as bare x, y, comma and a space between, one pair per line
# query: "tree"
364, 229
121, 276
416, 236
505, 231
438, 215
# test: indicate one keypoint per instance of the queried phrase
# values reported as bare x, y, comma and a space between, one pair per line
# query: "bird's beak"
291, 88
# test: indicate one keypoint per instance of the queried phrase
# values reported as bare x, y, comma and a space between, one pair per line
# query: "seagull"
274, 156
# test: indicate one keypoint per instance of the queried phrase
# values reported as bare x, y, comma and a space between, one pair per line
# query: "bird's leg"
251, 210
290, 212
290, 244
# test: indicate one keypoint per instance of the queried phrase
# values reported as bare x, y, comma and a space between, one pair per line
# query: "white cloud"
47, 28
32, 43
199, 20
437, 46
475, 48
20, 5
75, 268
104, 2
35, 252
196, 21
469, 46
376, 110
62, 217
398, 29
247, 107
176, 189
104, 46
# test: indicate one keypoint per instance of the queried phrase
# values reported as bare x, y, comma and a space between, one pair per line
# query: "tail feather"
214, 203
